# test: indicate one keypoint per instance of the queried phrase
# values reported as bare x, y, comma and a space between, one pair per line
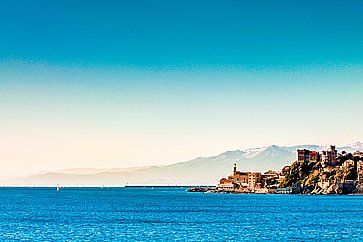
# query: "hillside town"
313, 172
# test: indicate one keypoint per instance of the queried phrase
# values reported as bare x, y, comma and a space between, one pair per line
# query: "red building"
314, 156
306, 156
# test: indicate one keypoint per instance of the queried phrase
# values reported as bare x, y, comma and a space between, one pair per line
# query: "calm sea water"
172, 213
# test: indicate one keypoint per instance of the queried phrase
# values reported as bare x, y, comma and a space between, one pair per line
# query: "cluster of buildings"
251, 182
326, 157
273, 182
331, 158
244, 181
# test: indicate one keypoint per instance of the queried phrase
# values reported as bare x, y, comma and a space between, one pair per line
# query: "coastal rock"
333, 189
317, 190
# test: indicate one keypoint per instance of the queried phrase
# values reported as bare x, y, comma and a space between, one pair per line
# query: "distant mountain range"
202, 170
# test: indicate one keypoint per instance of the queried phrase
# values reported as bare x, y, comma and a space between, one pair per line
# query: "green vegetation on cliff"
317, 177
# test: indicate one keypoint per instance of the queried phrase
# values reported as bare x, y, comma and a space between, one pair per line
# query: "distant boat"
58, 188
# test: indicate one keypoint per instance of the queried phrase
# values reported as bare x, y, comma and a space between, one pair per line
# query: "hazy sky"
129, 83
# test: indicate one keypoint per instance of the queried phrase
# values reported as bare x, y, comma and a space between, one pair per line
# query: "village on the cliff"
325, 172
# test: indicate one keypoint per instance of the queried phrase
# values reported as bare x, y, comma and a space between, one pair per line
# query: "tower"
333, 155
234, 169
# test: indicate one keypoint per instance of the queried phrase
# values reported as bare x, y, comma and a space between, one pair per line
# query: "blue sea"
173, 214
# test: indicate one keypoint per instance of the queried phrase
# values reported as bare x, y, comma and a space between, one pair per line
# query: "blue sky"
163, 34
127, 83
